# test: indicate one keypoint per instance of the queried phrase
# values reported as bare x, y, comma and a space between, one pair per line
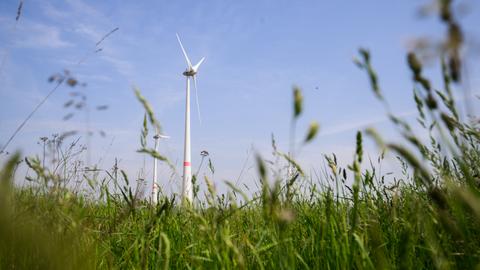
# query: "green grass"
410, 229
429, 217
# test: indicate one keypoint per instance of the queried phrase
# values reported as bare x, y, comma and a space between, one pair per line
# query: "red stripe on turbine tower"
186, 163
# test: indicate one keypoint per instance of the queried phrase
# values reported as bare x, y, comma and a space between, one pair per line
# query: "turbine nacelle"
192, 71
189, 73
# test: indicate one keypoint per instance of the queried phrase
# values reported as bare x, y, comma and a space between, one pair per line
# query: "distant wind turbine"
190, 72
155, 184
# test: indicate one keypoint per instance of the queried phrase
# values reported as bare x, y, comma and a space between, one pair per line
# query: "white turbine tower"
155, 184
190, 72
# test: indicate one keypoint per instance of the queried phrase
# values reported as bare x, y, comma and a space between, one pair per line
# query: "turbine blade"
196, 96
184, 52
161, 136
195, 68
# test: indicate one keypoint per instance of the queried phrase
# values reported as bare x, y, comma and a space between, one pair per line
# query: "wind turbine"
190, 72
155, 184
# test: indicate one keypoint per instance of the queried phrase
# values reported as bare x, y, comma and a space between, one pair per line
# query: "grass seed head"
297, 102
312, 131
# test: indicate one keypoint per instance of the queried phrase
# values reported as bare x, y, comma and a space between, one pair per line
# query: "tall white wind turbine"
190, 72
155, 184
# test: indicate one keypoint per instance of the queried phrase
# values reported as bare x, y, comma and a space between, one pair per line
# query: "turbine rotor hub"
189, 73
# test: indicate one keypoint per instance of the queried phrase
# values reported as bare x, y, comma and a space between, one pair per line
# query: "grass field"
428, 218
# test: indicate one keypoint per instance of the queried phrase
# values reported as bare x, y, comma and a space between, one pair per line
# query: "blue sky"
255, 52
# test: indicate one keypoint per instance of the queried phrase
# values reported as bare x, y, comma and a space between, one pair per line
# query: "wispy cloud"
123, 67
93, 77
167, 99
84, 9
89, 32
344, 127
33, 34
91, 24
39, 35
52, 12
